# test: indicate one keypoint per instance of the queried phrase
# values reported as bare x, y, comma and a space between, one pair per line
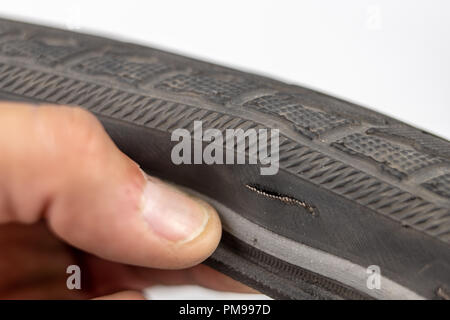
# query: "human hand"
68, 196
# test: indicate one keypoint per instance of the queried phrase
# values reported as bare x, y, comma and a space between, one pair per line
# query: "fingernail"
172, 214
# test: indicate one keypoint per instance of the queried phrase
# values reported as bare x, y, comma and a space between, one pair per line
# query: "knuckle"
86, 134
80, 120
76, 132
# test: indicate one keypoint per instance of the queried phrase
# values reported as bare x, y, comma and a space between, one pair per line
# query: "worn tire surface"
355, 188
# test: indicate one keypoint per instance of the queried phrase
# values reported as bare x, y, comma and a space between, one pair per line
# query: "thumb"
58, 163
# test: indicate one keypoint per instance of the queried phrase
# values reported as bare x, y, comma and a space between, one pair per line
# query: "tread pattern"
42, 52
418, 139
309, 122
50, 71
115, 66
218, 88
439, 185
396, 160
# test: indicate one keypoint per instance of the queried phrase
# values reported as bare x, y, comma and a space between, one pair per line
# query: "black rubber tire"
355, 188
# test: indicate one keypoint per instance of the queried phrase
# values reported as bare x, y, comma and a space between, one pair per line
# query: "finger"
31, 258
124, 295
59, 163
201, 275
212, 279
109, 276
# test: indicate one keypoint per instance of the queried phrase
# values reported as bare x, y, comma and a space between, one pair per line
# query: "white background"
389, 55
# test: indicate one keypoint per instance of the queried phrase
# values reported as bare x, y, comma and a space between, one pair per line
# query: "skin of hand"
69, 196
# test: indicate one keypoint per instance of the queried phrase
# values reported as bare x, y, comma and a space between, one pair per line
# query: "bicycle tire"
354, 189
